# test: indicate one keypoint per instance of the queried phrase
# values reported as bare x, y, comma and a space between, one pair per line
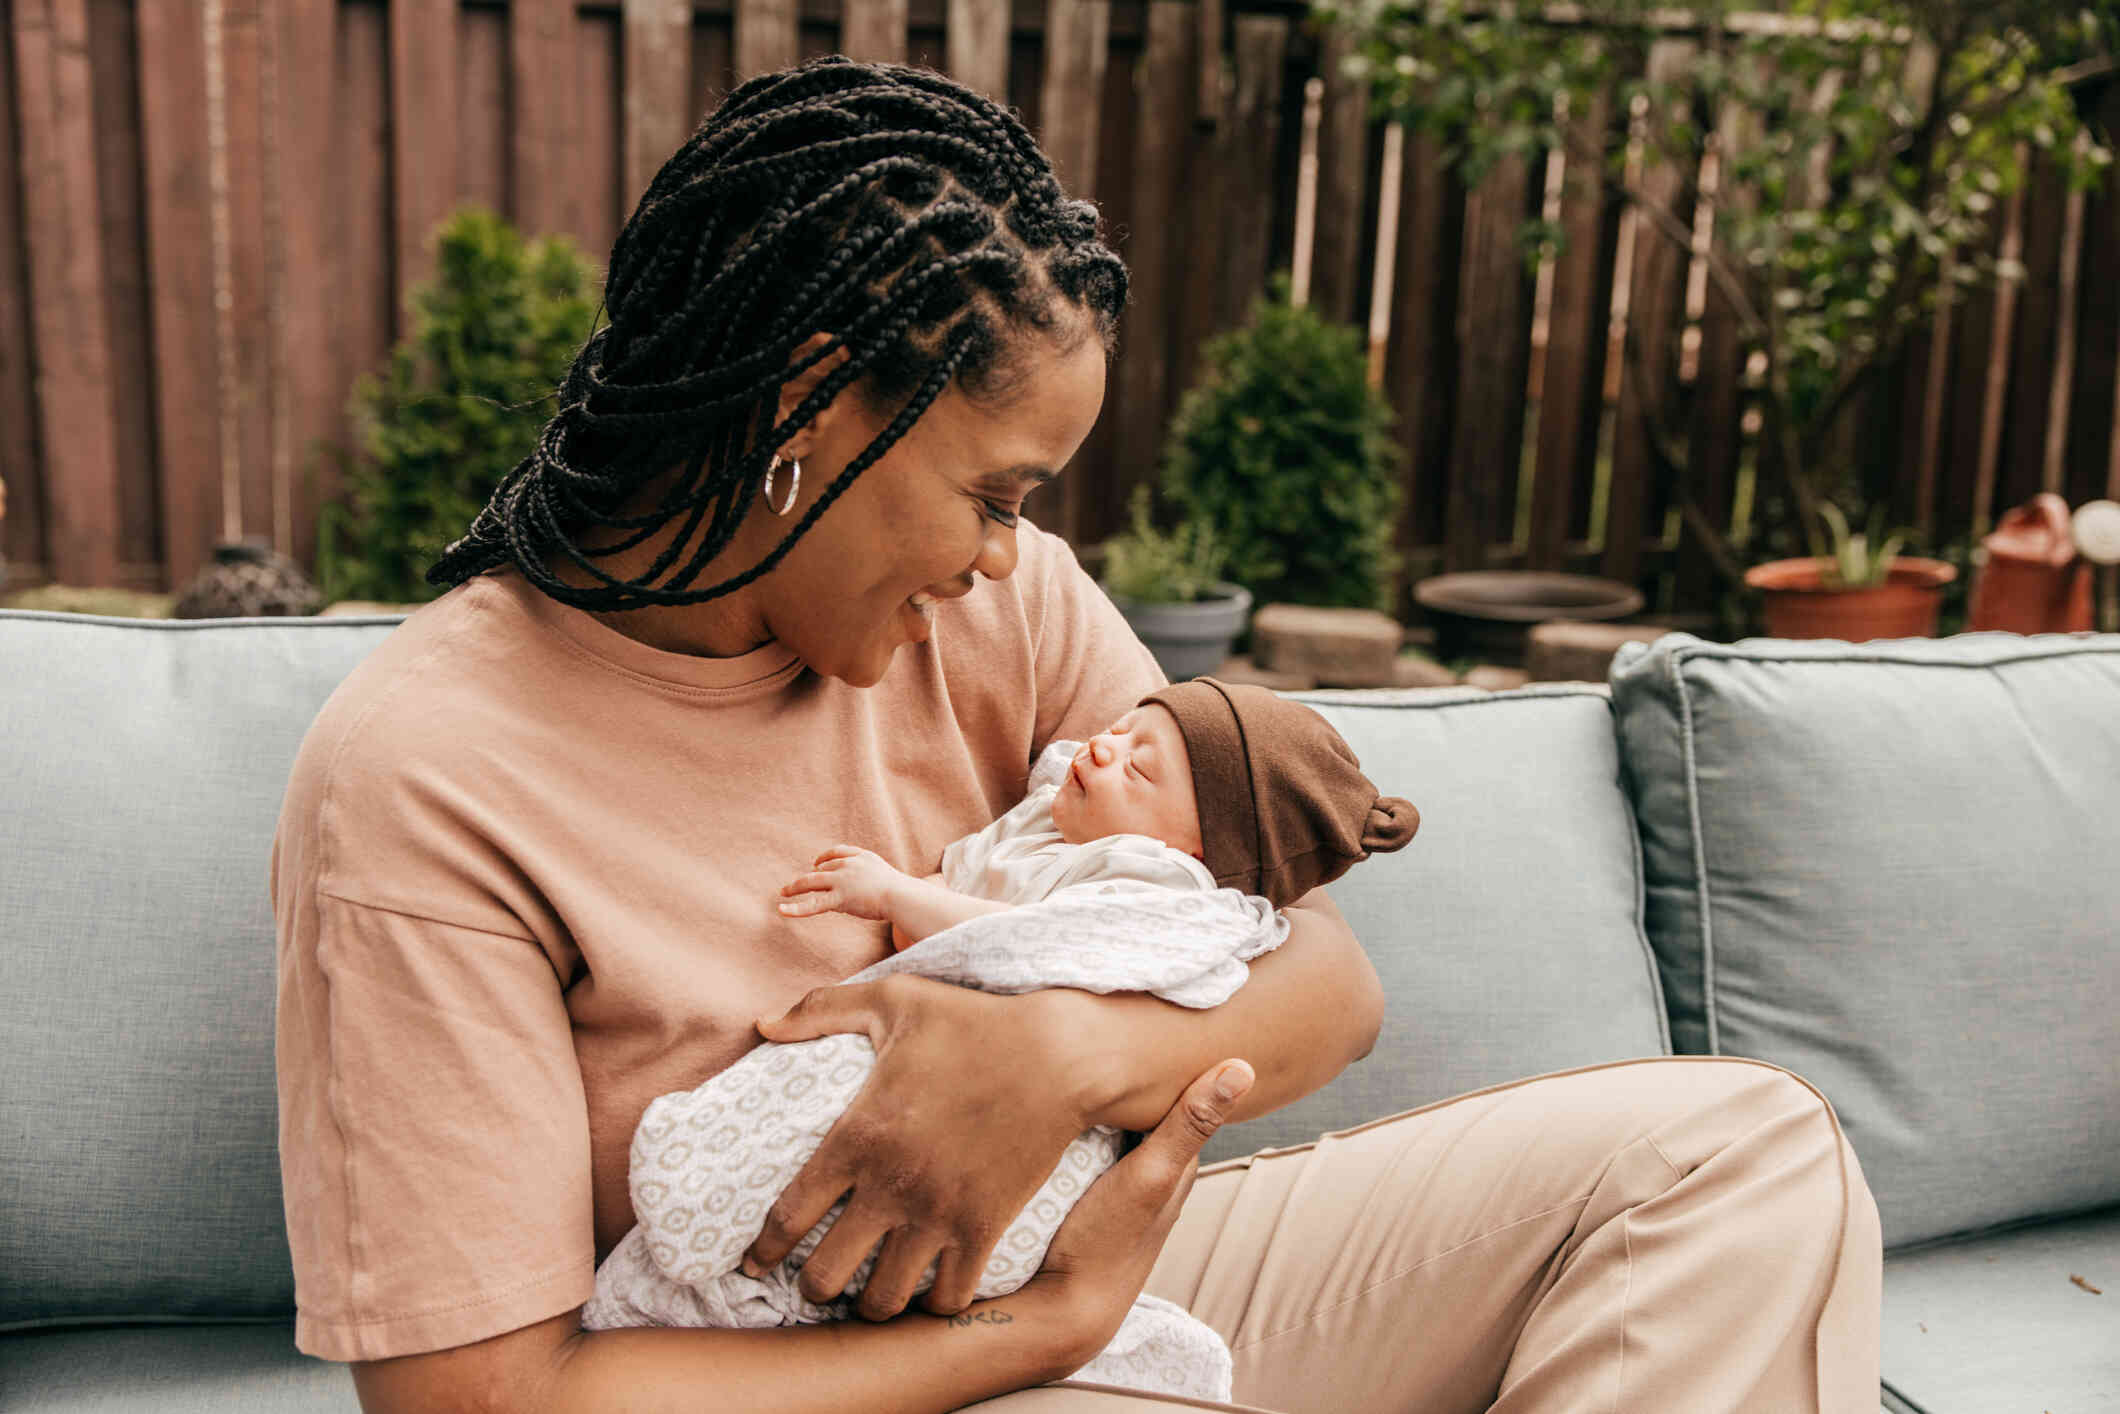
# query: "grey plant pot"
1189, 639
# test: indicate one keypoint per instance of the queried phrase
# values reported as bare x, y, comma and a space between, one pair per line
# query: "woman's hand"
845, 879
1103, 1253
966, 1114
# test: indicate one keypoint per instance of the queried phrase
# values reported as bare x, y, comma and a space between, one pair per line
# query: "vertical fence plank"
1202, 211
361, 191
1571, 397
1077, 40
1421, 359
976, 39
658, 88
1246, 139
1995, 396
2092, 418
713, 62
312, 376
422, 135
180, 277
546, 152
767, 36
1163, 117
483, 159
1336, 282
245, 276
69, 311
874, 29
2053, 475
2031, 371
1494, 345
23, 523
1656, 293
115, 85
597, 46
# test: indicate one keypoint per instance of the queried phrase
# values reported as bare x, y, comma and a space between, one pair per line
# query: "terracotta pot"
1798, 605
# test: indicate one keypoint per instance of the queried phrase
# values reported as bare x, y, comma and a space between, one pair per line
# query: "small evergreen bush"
1282, 447
1151, 566
463, 400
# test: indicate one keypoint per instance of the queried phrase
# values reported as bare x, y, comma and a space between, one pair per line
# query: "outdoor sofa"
1894, 869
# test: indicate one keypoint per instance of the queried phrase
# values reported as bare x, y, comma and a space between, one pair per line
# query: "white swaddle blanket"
707, 1164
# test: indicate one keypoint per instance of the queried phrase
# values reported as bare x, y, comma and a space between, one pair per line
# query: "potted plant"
1281, 445
1859, 152
1863, 589
1169, 586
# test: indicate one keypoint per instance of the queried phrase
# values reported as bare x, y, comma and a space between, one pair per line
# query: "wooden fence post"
976, 40
422, 136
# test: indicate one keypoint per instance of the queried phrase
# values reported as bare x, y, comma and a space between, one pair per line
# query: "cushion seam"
1697, 836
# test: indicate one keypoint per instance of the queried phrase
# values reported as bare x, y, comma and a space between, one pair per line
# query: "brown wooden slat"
546, 149
1076, 43
977, 42
482, 139
22, 522
1201, 218
1965, 411
874, 29
115, 85
1163, 95
423, 137
307, 360
658, 88
1995, 393
1421, 360
1571, 399
1245, 141
1092, 500
246, 351
1494, 342
2092, 420
1337, 284
2032, 351
69, 304
597, 48
1656, 304
766, 36
2067, 295
713, 63
1214, 70
361, 191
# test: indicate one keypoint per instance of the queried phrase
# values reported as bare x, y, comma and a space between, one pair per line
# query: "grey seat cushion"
1890, 868
184, 1369
1508, 933
143, 764
1990, 1323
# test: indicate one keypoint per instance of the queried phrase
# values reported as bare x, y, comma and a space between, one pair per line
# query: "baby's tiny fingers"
809, 903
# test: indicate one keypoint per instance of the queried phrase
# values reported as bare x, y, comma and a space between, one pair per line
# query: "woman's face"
926, 521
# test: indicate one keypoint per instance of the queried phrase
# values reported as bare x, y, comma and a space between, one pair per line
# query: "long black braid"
914, 220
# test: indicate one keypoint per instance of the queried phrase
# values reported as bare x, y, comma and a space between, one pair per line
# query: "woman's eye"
1000, 515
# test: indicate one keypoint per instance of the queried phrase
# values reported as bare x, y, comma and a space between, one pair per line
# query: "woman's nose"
997, 553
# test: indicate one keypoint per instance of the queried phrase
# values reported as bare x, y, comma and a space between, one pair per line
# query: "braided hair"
913, 220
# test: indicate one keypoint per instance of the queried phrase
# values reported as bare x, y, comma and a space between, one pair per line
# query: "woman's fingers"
1165, 1160
830, 1011
800, 1207
906, 1255
826, 1271
956, 1283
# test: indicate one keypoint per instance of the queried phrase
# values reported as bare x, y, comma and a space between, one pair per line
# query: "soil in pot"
1489, 614
1798, 604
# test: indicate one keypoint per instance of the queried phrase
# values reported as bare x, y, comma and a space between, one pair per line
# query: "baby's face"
1134, 779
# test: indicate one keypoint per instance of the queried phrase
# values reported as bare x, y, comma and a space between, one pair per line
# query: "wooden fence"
210, 211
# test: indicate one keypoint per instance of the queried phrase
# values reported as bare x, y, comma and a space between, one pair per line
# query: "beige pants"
1668, 1236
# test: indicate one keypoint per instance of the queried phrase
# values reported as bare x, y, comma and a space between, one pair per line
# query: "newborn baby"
1152, 858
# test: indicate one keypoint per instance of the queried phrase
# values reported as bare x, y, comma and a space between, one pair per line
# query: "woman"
529, 856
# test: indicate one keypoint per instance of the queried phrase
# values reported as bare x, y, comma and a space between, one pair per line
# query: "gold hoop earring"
794, 485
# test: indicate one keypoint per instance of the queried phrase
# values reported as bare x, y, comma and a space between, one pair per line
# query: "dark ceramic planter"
1489, 614
1189, 639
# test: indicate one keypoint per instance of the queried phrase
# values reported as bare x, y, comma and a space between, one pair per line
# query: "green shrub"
1152, 566
462, 401
1282, 447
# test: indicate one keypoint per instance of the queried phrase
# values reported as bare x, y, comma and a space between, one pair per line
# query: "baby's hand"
845, 879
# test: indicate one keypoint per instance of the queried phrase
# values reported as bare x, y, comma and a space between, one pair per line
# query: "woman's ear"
802, 385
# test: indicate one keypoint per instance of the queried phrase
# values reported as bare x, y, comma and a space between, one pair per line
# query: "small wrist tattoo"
984, 1318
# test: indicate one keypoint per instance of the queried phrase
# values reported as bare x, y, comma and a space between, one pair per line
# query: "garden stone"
1567, 651
1244, 670
1419, 670
1489, 678
1337, 647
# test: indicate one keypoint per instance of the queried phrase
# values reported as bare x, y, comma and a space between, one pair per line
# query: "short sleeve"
434, 1143
1090, 666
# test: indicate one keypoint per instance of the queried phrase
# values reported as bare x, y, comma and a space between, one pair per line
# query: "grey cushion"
219, 1369
143, 764
1508, 933
1994, 1322
1890, 868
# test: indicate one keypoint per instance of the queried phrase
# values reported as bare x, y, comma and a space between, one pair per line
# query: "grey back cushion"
1508, 933
142, 766
1894, 868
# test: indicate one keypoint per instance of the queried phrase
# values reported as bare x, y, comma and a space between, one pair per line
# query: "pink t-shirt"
525, 880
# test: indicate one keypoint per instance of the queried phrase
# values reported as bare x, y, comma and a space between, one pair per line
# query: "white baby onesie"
1126, 913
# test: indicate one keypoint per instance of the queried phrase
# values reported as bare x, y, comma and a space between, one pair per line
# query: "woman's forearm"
1310, 1009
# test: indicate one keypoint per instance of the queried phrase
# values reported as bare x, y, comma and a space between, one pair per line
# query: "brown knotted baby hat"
1284, 806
